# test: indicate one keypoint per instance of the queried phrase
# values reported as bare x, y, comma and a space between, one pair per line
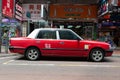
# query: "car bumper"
109, 53
16, 49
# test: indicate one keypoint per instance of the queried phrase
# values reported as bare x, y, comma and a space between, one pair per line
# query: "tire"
32, 54
97, 55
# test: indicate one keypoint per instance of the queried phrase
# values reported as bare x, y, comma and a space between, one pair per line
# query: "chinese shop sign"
73, 11
7, 8
32, 11
18, 10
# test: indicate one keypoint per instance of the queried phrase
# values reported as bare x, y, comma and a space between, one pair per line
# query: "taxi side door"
47, 42
68, 44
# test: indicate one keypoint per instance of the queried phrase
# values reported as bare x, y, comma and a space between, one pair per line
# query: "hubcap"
97, 55
33, 54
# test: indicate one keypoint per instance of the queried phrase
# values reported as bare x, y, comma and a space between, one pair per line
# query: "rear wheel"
32, 54
97, 55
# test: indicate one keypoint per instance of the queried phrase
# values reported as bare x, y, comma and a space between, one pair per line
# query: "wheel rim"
33, 54
97, 55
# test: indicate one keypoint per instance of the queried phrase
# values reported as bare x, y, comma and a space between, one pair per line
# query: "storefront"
109, 18
12, 16
34, 16
7, 15
79, 18
84, 29
11, 25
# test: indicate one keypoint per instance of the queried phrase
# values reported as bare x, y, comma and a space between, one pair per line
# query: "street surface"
54, 68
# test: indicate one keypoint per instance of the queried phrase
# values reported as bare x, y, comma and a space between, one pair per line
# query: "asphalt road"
54, 68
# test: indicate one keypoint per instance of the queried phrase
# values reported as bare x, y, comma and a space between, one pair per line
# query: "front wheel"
32, 54
97, 55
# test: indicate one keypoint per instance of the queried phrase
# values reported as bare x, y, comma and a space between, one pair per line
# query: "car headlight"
112, 47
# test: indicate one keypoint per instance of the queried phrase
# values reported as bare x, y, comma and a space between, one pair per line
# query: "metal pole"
0, 25
7, 41
0, 38
28, 32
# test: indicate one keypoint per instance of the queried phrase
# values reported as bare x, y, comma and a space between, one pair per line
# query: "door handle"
61, 42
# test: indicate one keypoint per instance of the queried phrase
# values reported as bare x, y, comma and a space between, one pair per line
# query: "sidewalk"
4, 54
116, 52
7, 54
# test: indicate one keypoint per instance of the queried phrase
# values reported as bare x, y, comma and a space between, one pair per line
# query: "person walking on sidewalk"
116, 40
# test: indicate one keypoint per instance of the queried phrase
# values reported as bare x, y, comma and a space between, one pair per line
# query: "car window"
67, 35
46, 34
33, 34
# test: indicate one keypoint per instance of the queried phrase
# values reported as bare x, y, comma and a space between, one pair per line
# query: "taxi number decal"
86, 46
47, 45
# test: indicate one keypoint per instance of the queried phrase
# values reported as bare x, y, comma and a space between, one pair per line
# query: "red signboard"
118, 2
7, 7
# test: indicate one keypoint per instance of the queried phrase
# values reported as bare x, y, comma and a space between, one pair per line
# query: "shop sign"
116, 9
70, 10
73, 11
34, 11
18, 10
118, 2
7, 7
103, 7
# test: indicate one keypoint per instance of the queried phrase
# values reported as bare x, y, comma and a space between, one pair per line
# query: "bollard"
6, 45
0, 46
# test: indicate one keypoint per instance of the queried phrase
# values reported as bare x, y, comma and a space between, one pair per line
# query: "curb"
7, 54
116, 55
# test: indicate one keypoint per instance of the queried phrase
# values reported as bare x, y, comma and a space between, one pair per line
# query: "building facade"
109, 19
78, 17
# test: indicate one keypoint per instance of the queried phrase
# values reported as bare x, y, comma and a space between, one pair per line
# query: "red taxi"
59, 42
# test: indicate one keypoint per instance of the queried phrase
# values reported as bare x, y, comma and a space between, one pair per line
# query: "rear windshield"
33, 34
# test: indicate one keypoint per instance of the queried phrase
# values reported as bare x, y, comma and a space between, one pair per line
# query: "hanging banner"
103, 7
18, 10
7, 8
118, 2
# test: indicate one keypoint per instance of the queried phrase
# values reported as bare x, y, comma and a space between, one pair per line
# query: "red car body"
59, 45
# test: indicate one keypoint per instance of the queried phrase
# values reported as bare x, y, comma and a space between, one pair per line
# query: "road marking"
6, 57
62, 65
8, 61
28, 64
78, 65
10, 57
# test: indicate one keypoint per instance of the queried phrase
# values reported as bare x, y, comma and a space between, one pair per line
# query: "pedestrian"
108, 39
101, 37
116, 40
